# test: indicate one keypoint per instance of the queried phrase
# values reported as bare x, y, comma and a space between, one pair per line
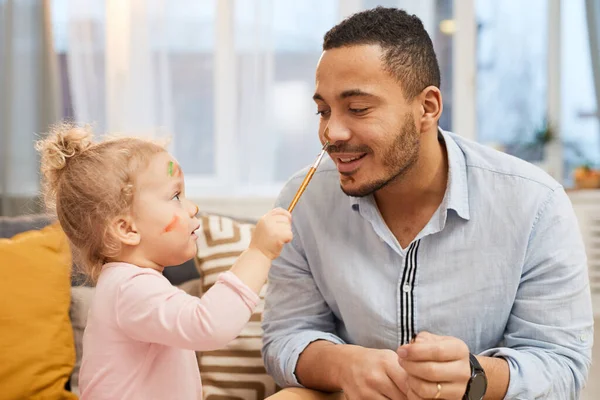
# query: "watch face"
477, 387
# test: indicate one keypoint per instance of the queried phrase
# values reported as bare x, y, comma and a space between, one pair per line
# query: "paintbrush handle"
308, 176
303, 186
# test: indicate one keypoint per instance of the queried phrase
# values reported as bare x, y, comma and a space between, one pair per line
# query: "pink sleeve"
150, 309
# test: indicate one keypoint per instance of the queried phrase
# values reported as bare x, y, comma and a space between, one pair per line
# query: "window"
276, 58
230, 81
511, 74
579, 111
190, 53
513, 83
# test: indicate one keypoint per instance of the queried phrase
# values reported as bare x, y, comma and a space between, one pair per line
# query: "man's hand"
437, 366
373, 374
361, 373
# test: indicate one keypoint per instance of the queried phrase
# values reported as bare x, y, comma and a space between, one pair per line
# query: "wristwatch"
477, 385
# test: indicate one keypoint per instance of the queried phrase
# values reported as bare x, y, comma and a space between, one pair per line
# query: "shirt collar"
457, 190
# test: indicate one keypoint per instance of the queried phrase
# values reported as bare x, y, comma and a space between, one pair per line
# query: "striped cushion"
236, 371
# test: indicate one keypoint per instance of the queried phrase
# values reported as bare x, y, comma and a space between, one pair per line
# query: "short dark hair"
408, 49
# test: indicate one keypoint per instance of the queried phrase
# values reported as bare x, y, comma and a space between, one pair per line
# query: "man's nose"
336, 132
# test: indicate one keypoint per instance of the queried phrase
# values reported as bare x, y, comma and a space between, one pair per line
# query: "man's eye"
323, 113
357, 110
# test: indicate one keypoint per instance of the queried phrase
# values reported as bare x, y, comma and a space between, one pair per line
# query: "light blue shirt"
500, 265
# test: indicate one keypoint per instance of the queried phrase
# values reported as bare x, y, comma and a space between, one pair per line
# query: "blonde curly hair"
88, 184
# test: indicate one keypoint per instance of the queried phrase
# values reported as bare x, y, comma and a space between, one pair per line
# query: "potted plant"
586, 177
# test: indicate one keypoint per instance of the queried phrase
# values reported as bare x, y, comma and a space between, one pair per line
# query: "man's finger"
391, 391
438, 371
425, 336
398, 376
441, 351
419, 389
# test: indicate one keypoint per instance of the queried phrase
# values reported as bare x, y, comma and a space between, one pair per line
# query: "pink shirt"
142, 331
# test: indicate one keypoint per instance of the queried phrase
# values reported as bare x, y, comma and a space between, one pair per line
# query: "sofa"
48, 302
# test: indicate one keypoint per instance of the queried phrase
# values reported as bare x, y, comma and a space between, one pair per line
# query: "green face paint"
170, 168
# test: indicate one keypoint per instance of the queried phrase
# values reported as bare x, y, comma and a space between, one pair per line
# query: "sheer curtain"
144, 68
278, 45
230, 82
29, 99
118, 69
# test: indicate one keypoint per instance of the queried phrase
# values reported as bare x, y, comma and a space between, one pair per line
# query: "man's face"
372, 133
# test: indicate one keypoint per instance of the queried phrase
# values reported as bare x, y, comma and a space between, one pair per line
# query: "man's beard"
398, 160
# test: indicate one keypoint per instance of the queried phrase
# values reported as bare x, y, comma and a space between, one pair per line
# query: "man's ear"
123, 227
431, 107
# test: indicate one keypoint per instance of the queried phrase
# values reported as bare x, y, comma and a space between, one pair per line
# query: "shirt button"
406, 287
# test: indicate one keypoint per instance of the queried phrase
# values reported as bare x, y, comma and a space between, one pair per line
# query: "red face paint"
172, 225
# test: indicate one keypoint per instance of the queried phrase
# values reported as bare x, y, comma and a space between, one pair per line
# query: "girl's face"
164, 218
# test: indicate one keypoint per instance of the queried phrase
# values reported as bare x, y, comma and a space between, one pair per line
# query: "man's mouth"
353, 158
348, 163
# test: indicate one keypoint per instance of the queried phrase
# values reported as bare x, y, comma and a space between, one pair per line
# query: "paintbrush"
308, 177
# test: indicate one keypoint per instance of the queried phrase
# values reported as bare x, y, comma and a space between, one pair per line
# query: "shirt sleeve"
549, 334
150, 309
295, 313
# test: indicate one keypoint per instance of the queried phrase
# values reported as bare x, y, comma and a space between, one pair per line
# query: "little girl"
122, 204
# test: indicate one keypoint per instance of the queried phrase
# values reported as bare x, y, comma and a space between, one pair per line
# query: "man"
409, 230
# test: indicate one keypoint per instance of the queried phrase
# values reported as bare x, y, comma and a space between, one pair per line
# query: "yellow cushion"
37, 352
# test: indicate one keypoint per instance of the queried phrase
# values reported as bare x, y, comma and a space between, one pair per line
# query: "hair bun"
64, 142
